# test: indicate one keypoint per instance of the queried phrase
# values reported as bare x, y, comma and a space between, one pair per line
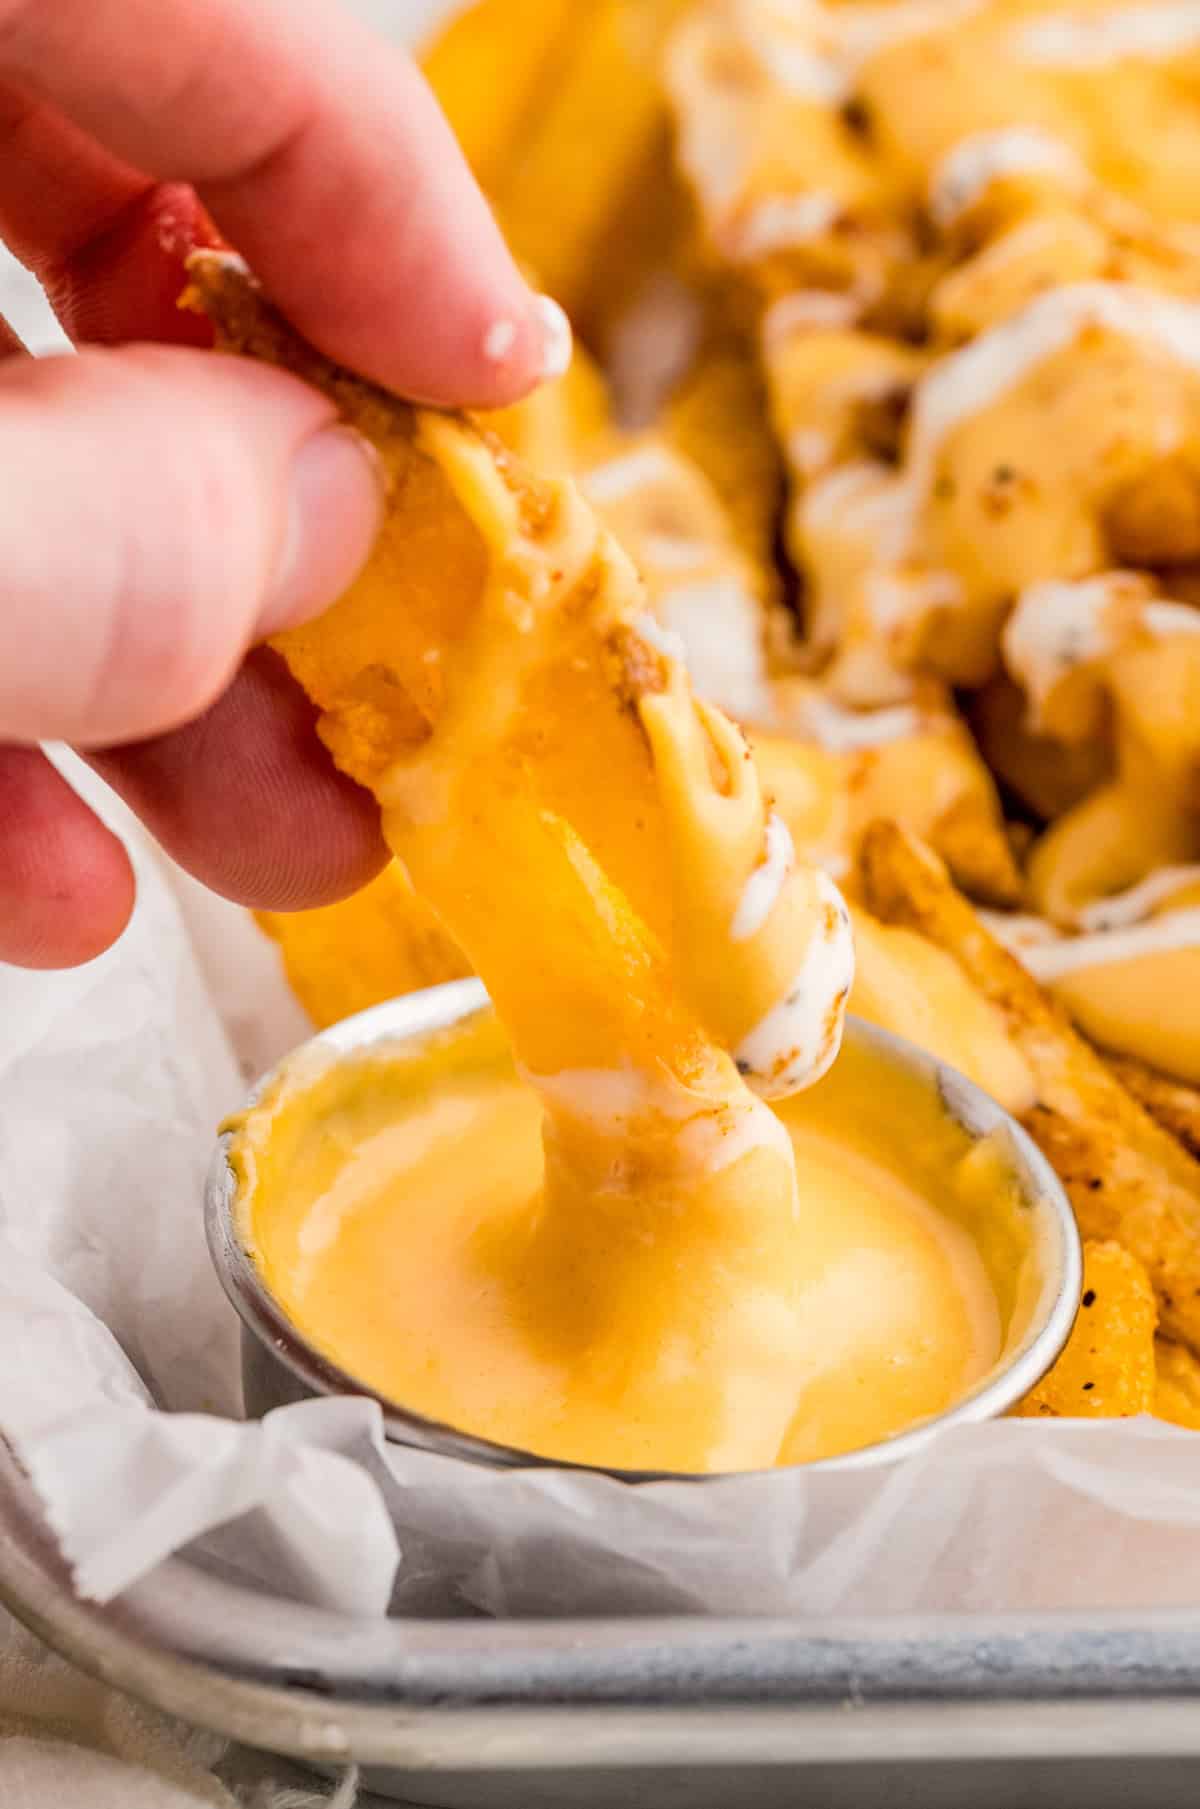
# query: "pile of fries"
889, 385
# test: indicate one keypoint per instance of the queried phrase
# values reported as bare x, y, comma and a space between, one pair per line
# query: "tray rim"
1148, 1710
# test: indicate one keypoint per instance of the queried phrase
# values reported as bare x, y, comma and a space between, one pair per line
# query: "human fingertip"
557, 341
334, 511
520, 354
67, 887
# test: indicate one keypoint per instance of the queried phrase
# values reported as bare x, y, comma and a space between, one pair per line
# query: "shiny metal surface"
280, 1366
938, 1711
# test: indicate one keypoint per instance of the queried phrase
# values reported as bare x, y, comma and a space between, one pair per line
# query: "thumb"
161, 511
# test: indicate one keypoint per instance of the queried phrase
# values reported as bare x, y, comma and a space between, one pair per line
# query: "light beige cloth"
68, 1742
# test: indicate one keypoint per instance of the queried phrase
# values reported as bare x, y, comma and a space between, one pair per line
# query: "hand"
163, 510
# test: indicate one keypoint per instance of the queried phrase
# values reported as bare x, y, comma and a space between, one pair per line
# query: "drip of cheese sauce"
394, 1205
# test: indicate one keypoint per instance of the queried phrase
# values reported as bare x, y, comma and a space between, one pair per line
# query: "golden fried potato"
563, 425
1171, 1103
717, 418
1127, 1178
833, 771
1107, 1369
588, 168
491, 67
522, 622
1048, 776
1177, 1389
906, 985
379, 944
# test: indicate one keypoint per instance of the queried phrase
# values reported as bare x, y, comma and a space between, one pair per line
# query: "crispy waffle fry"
377, 945
716, 417
530, 44
1064, 435
1170, 1102
1107, 1370
491, 678
914, 763
563, 426
1127, 1178
698, 584
587, 168
1177, 1390
1108, 657
387, 679
1048, 777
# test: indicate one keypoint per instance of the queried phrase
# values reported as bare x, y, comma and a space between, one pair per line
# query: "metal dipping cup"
279, 1365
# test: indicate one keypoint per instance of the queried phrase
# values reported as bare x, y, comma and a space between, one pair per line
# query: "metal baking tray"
937, 1712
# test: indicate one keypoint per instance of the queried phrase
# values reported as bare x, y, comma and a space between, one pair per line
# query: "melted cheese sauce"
394, 1206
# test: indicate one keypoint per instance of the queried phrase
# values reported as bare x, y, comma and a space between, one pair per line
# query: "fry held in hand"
489, 679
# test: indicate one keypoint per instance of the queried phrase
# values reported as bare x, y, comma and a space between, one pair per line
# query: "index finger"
322, 155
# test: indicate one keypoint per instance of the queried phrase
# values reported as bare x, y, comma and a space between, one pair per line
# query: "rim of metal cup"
1056, 1237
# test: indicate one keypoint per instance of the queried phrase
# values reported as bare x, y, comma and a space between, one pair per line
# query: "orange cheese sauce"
393, 1204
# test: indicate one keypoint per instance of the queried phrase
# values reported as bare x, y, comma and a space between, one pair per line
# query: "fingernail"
557, 343
335, 506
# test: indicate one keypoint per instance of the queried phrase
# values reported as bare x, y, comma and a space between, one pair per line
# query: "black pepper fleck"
1089, 1298
1087, 1386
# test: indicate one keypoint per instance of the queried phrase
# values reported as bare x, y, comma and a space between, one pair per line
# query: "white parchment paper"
123, 1398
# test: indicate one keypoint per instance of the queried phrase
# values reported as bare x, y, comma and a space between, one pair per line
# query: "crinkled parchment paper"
123, 1399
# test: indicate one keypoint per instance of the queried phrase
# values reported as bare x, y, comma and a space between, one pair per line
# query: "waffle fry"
1129, 1181
379, 944
1177, 1388
1107, 1370
530, 44
523, 730
583, 172
1169, 1102
386, 680
1064, 430
832, 771
1102, 658
717, 418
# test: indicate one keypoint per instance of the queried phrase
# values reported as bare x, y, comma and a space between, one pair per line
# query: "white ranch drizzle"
1059, 626
795, 1043
1052, 961
1121, 910
621, 476
762, 891
824, 68
865, 31
809, 310
970, 380
842, 731
1081, 40
781, 222
966, 173
1055, 628
1018, 930
620, 1102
